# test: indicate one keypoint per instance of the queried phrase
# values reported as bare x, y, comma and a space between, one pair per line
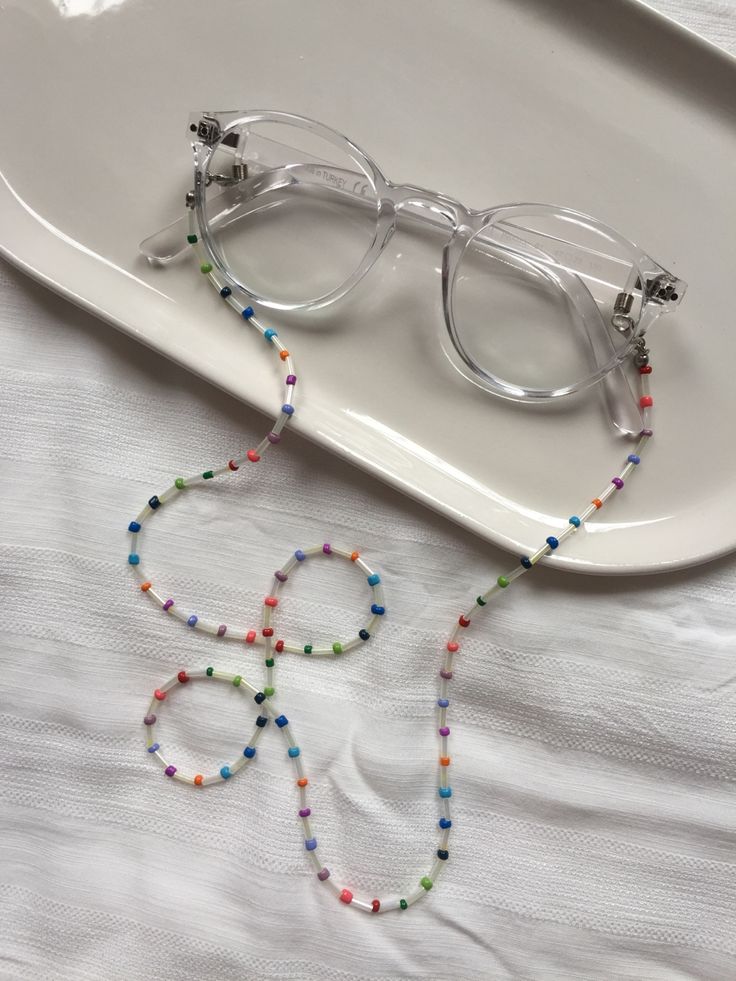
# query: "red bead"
346, 896
268, 631
464, 622
376, 905
646, 401
452, 647
253, 456
279, 646
183, 677
160, 695
233, 465
250, 636
271, 601
646, 369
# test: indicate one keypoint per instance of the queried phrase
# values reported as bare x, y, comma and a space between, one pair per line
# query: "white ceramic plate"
604, 107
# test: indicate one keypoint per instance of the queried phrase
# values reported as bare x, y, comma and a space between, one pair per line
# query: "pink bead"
346, 896
271, 601
159, 695
250, 636
453, 647
327, 548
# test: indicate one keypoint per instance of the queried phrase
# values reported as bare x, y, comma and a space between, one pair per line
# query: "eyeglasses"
539, 302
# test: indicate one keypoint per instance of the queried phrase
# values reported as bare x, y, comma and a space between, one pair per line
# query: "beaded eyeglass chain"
265, 637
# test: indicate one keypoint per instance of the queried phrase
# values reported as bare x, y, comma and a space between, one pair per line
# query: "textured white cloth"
593, 720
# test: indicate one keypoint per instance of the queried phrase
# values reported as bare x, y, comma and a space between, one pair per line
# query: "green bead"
209, 672
192, 239
502, 582
179, 483
208, 475
269, 691
307, 648
269, 662
337, 647
205, 268
403, 903
480, 601
236, 680
426, 882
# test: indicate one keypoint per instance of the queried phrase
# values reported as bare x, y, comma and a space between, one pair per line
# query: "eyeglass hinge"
662, 289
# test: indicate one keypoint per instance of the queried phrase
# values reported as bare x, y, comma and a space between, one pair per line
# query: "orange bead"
302, 782
145, 586
354, 556
283, 355
444, 760
198, 780
597, 501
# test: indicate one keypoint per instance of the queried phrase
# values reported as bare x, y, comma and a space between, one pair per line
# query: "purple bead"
291, 379
168, 604
323, 874
274, 437
647, 432
447, 675
281, 576
149, 720
170, 771
221, 630
327, 548
444, 730
305, 812
617, 482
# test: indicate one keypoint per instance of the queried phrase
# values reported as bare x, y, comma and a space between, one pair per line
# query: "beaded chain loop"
266, 635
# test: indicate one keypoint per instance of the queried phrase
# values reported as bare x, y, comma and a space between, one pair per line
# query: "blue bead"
261, 721
153, 747
445, 791
192, 621
443, 854
225, 772
374, 579
134, 527
574, 520
310, 844
363, 634
293, 751
526, 561
287, 409
443, 702
133, 558
281, 721
225, 291
259, 697
248, 313
299, 555
270, 334
552, 542
154, 502
378, 610
445, 823
249, 752
633, 458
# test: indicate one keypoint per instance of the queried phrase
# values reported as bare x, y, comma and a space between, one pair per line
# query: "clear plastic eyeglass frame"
509, 273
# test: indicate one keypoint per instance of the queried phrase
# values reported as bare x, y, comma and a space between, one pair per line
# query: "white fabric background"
593, 722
